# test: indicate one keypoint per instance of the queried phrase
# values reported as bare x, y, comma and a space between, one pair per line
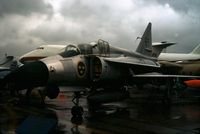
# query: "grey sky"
26, 24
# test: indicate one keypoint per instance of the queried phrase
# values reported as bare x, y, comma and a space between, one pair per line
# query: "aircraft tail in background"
196, 50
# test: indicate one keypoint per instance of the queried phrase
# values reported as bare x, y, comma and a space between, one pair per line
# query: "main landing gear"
76, 111
170, 91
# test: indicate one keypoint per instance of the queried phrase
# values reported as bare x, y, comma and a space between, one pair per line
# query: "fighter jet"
97, 66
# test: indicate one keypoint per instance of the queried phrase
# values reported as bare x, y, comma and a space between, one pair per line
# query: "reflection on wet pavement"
128, 116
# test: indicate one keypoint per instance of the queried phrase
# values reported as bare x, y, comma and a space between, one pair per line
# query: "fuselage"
194, 55
188, 64
42, 52
175, 57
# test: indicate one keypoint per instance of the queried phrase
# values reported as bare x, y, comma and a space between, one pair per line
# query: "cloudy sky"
26, 24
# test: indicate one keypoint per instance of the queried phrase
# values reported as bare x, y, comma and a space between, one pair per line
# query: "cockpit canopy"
70, 50
101, 48
41, 47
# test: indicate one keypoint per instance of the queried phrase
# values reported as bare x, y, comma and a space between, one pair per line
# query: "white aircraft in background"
184, 64
181, 57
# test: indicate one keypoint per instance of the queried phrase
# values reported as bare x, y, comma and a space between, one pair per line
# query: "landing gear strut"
168, 92
41, 93
76, 110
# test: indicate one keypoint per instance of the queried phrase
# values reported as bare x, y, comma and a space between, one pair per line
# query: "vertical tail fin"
145, 45
196, 50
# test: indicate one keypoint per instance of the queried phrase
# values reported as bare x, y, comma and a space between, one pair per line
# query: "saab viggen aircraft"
90, 65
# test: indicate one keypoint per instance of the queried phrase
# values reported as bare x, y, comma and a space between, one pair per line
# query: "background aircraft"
7, 64
182, 64
179, 57
179, 63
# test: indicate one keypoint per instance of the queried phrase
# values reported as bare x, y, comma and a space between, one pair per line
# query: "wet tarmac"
136, 115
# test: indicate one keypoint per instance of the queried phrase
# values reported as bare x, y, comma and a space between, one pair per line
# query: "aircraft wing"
170, 67
159, 75
133, 61
163, 78
168, 64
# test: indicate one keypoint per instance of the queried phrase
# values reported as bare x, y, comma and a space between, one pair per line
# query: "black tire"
77, 111
52, 91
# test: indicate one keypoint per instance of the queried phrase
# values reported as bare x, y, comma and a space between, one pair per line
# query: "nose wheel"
76, 111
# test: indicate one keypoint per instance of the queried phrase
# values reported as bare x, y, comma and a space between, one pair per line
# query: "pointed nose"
30, 75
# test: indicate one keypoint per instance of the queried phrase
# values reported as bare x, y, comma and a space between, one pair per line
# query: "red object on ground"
193, 83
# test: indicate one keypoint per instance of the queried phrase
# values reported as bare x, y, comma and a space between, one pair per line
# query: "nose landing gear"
76, 111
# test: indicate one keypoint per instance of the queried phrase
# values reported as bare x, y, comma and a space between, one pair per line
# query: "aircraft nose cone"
29, 75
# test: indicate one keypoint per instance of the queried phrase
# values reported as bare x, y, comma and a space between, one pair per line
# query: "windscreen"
70, 51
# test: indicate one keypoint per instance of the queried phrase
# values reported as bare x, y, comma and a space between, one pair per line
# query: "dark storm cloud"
24, 7
83, 10
172, 20
182, 5
186, 31
186, 8
120, 23
18, 46
88, 20
16, 18
14, 35
100, 20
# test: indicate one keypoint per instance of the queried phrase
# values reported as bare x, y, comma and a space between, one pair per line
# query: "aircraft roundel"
81, 69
